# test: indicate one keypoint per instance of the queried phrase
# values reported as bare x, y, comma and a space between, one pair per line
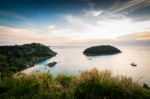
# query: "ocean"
71, 61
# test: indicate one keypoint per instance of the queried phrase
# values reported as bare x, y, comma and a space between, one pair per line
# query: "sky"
71, 22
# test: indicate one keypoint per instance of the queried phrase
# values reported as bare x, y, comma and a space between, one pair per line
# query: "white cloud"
105, 28
93, 12
51, 26
12, 35
92, 24
118, 7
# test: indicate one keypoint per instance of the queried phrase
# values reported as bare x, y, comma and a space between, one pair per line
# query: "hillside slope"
18, 57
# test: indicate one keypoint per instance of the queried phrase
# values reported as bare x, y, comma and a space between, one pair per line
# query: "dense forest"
18, 57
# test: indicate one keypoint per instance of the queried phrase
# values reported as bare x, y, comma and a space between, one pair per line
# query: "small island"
101, 50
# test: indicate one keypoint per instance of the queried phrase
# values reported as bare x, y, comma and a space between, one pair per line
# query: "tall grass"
92, 84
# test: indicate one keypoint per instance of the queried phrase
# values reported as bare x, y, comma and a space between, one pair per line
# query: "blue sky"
41, 11
73, 21
37, 11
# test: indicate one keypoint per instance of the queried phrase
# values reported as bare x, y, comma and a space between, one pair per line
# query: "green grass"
92, 84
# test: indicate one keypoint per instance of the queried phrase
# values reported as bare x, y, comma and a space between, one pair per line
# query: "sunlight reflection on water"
71, 61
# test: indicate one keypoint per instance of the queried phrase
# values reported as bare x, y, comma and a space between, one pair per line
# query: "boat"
133, 64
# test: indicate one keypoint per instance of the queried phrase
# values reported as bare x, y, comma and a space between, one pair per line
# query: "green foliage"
101, 50
18, 57
92, 84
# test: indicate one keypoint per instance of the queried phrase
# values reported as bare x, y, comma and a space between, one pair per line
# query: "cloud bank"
91, 26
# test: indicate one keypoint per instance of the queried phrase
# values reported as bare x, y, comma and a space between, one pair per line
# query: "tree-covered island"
101, 50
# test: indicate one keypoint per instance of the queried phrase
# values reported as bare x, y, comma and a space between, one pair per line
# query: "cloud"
118, 8
129, 6
77, 22
102, 32
136, 36
51, 26
93, 12
11, 35
108, 23
92, 26
88, 27
142, 17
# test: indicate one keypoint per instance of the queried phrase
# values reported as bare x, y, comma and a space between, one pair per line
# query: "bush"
92, 84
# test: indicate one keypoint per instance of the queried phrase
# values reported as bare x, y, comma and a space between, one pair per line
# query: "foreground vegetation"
19, 57
101, 50
92, 84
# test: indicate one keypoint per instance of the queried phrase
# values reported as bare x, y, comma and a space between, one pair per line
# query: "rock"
101, 50
51, 64
145, 86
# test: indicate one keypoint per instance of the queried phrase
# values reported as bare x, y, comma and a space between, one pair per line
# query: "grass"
92, 84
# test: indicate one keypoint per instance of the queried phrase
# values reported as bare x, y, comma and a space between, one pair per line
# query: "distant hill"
101, 50
18, 57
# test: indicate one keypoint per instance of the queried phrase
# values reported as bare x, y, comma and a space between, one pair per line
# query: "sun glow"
107, 28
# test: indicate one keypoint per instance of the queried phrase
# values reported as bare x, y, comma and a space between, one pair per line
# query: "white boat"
133, 64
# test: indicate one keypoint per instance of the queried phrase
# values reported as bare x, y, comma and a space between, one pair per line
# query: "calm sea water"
71, 61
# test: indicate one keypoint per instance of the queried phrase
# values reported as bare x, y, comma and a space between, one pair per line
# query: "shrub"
92, 84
